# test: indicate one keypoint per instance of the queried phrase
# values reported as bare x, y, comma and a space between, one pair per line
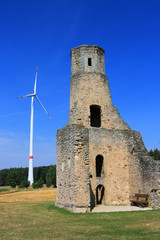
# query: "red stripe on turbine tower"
30, 157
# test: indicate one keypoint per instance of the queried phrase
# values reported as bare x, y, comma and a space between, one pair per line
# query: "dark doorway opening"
99, 194
95, 115
99, 165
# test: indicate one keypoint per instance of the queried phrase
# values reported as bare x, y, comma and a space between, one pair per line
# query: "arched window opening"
100, 194
95, 115
99, 165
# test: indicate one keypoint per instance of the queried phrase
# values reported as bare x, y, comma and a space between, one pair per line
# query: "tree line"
19, 176
155, 153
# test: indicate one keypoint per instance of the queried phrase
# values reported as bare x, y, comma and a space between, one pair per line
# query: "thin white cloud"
4, 141
12, 114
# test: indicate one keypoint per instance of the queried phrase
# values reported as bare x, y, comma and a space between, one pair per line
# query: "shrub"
24, 184
38, 184
35, 185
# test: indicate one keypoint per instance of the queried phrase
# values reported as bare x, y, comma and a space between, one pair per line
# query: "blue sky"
43, 32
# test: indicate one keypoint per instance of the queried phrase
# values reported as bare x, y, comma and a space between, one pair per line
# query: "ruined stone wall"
144, 166
113, 146
73, 189
127, 168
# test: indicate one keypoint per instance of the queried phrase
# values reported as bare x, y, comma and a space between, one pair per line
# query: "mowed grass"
42, 220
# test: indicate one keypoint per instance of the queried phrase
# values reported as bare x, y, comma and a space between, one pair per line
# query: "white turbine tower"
30, 171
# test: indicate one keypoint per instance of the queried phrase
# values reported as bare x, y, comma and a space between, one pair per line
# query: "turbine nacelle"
34, 95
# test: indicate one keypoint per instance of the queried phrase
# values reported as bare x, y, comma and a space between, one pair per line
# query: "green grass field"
4, 189
28, 221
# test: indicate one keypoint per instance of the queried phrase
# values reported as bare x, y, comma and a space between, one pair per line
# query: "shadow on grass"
60, 210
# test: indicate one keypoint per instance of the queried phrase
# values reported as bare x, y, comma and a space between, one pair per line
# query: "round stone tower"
90, 99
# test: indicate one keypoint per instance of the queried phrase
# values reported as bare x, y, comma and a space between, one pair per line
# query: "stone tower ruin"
100, 160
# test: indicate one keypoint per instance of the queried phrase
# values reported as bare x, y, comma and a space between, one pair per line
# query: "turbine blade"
28, 95
43, 107
35, 83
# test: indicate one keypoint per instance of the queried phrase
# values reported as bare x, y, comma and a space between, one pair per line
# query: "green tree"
51, 176
13, 179
40, 172
155, 154
3, 177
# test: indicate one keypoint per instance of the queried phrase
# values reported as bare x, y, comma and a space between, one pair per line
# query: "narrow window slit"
89, 61
99, 165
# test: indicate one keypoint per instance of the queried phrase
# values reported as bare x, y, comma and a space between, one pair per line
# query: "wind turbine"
33, 95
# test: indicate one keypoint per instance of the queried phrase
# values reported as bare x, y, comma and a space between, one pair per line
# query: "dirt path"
103, 208
38, 195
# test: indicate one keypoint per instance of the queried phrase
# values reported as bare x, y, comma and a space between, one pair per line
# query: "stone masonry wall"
80, 55
127, 168
89, 86
88, 89
112, 145
73, 186
148, 168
